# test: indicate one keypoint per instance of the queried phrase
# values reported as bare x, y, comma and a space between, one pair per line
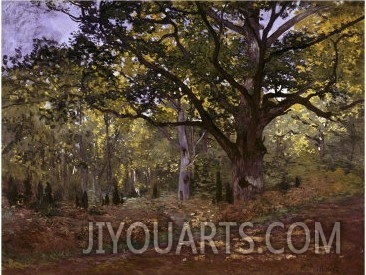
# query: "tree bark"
108, 153
184, 173
83, 163
247, 161
247, 173
321, 145
132, 180
256, 110
64, 178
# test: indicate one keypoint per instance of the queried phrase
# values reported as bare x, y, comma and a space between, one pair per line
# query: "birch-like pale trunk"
184, 173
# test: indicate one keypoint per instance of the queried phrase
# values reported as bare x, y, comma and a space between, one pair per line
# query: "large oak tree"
239, 64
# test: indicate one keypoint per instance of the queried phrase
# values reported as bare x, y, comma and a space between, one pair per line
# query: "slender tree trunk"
184, 173
352, 151
83, 169
91, 192
204, 145
83, 163
126, 179
193, 147
133, 183
321, 145
129, 182
64, 174
108, 153
154, 183
97, 175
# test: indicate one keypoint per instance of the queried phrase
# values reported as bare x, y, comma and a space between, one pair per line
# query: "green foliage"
39, 194
28, 194
45, 202
284, 186
206, 168
116, 197
13, 193
79, 114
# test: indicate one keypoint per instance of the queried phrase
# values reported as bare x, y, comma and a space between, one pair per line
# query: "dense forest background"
139, 103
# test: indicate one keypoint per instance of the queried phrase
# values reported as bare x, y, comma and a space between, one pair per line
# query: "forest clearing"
37, 244
173, 137
33, 242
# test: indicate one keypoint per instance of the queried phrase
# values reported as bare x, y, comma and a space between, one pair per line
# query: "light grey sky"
22, 22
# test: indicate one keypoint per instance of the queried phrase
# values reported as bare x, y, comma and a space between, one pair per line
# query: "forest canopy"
152, 97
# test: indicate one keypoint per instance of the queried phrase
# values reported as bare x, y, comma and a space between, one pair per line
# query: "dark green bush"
116, 199
13, 192
84, 200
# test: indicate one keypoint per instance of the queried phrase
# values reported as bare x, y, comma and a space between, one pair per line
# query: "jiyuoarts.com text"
207, 231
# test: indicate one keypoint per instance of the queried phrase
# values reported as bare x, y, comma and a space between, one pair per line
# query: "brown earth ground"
35, 244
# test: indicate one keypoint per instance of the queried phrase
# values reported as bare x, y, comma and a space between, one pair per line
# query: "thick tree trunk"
247, 173
184, 176
184, 173
247, 163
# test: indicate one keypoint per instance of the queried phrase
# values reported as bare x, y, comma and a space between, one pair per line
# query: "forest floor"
36, 244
